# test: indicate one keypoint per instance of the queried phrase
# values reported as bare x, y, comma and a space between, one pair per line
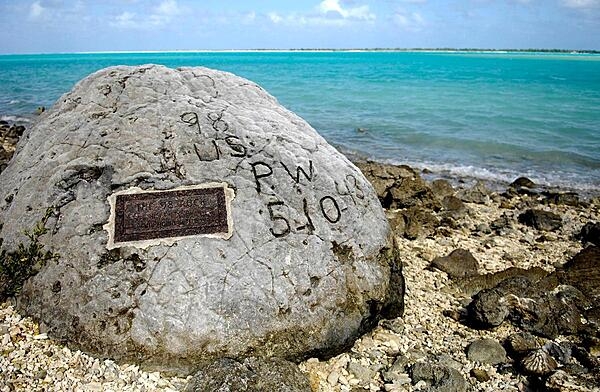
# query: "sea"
465, 116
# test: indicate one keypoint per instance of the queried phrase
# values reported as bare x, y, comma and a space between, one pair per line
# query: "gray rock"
304, 265
459, 263
502, 224
541, 220
478, 194
562, 198
249, 375
418, 222
439, 378
399, 186
487, 351
441, 188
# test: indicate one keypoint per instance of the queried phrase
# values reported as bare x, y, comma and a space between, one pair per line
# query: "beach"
430, 219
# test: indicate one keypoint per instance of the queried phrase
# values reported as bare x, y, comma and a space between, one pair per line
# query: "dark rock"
541, 220
520, 343
414, 223
502, 224
249, 375
398, 186
526, 305
442, 188
590, 233
487, 309
593, 315
583, 273
478, 194
453, 207
480, 375
521, 186
487, 351
522, 182
438, 377
473, 284
459, 263
565, 198
561, 351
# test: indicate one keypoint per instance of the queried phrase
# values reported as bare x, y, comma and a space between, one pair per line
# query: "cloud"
333, 7
327, 13
409, 21
581, 4
159, 16
36, 10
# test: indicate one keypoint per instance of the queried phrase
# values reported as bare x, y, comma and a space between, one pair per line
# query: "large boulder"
195, 218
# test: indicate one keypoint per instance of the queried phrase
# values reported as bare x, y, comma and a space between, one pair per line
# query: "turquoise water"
493, 116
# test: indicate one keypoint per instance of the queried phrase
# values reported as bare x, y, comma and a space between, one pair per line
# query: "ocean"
493, 116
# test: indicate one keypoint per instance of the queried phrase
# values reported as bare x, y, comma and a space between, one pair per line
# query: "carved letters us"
217, 141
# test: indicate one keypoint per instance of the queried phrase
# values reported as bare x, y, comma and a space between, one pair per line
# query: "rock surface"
486, 351
459, 263
541, 220
309, 265
249, 375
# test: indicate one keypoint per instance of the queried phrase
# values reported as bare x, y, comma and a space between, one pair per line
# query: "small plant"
19, 265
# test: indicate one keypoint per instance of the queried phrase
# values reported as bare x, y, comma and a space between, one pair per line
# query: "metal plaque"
144, 216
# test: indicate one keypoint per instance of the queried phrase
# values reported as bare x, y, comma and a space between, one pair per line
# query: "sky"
47, 26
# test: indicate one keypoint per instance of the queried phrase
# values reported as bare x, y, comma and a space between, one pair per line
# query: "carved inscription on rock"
219, 141
141, 218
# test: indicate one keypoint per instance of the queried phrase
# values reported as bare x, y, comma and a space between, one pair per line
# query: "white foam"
15, 119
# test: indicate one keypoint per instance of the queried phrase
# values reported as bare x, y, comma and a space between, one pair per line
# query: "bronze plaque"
166, 214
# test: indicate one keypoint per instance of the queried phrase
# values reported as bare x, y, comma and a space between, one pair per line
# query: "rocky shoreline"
502, 294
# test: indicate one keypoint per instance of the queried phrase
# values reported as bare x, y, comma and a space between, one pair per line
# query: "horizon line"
448, 50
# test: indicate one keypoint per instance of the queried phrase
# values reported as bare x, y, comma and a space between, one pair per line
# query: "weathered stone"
453, 207
541, 220
522, 182
590, 233
418, 222
529, 306
565, 198
583, 273
520, 343
399, 186
249, 375
305, 266
459, 263
478, 194
442, 188
438, 378
502, 224
487, 351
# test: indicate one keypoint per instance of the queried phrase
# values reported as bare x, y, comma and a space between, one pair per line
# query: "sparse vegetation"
26, 261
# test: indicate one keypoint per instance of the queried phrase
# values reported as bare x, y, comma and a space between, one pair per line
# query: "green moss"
26, 261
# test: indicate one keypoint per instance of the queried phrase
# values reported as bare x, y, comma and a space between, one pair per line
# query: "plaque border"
110, 225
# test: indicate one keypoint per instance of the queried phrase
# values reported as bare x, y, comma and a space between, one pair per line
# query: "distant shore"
292, 50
